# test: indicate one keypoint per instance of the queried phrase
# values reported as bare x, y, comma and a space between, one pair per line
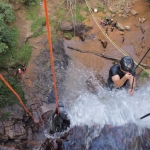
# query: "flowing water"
109, 120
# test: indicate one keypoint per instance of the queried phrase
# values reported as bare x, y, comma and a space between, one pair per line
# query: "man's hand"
128, 76
131, 91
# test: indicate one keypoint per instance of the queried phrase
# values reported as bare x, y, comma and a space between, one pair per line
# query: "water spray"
134, 75
134, 70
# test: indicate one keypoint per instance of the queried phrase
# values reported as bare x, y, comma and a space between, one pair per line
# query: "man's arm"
132, 82
119, 82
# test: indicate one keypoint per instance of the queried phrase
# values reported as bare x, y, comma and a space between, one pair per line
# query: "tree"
7, 16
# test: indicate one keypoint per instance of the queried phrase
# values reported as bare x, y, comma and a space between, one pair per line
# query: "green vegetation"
54, 23
6, 96
36, 34
144, 74
7, 40
5, 115
100, 9
32, 11
23, 54
37, 24
61, 14
86, 9
79, 17
68, 35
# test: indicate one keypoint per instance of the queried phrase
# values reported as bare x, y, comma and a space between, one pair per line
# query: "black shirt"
115, 70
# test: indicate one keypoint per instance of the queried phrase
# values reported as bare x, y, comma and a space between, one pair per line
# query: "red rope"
51, 53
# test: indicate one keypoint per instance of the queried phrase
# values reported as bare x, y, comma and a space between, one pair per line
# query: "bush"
7, 38
7, 12
144, 74
6, 96
30, 2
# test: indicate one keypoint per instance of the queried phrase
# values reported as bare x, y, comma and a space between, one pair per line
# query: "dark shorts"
110, 85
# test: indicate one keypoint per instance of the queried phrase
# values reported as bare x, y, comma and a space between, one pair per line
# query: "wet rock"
29, 134
6, 148
1, 128
119, 26
66, 26
3, 137
17, 132
133, 12
94, 82
33, 144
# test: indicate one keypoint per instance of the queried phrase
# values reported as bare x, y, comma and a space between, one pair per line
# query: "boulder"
127, 28
66, 26
133, 12
124, 16
120, 27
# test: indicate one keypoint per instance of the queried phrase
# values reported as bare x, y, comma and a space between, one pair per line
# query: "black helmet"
127, 64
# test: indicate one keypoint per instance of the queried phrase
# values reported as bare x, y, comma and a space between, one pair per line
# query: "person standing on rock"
123, 39
106, 31
19, 73
120, 75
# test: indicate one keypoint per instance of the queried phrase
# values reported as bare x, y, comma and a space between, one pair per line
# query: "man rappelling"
120, 75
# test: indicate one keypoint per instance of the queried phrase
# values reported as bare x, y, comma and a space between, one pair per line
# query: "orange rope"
8, 85
38, 112
51, 54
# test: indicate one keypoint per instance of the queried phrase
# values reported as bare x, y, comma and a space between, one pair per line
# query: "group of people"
108, 21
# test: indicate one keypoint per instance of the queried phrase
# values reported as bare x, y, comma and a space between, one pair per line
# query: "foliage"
144, 74
36, 34
100, 9
23, 54
30, 2
32, 12
26, 2
37, 24
6, 11
86, 9
6, 54
79, 17
7, 97
60, 13
5, 115
7, 34
68, 35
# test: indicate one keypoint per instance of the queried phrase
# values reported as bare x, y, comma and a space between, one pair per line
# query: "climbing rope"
8, 85
114, 44
36, 107
51, 53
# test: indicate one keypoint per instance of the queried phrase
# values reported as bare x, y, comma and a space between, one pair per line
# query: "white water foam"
108, 107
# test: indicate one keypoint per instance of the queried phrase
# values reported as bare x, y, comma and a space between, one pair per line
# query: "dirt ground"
131, 45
